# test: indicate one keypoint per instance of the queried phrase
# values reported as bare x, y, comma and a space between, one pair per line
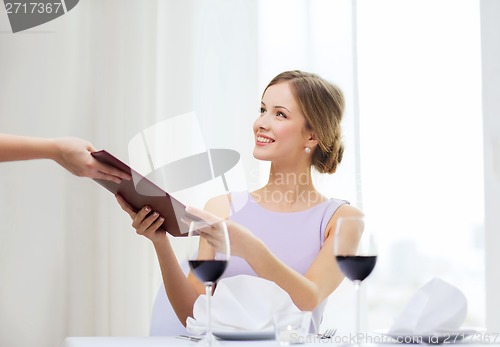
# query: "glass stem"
208, 291
357, 324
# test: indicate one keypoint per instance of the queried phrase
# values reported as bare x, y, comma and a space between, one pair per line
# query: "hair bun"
327, 161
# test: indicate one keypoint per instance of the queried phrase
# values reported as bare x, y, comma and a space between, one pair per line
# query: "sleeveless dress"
294, 237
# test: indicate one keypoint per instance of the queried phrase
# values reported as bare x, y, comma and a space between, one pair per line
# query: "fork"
328, 334
190, 338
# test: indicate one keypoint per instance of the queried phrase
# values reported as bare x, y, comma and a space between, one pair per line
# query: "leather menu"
139, 192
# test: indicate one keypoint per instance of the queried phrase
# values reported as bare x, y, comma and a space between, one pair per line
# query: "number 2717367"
33, 7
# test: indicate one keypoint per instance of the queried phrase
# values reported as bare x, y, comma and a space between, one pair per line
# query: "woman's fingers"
141, 216
196, 214
140, 219
208, 226
108, 172
146, 222
150, 224
215, 239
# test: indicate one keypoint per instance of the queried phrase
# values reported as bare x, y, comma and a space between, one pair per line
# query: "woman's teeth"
264, 139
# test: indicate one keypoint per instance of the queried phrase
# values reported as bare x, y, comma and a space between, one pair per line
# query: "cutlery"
190, 338
328, 334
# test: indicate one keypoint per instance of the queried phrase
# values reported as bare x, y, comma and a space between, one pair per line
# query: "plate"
436, 338
244, 335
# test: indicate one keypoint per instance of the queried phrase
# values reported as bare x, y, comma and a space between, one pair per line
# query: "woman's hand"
146, 222
74, 155
243, 241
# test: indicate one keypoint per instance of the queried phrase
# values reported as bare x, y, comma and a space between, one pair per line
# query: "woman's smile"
263, 140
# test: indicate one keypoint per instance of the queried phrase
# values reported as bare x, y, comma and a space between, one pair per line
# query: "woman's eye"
262, 110
281, 114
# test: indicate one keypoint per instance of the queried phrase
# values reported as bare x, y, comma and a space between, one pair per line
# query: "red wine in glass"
208, 270
209, 252
356, 254
356, 267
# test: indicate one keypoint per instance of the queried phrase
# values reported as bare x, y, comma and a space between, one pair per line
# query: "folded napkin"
436, 307
241, 303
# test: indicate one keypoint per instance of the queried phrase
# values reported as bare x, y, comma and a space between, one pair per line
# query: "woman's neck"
290, 179
289, 189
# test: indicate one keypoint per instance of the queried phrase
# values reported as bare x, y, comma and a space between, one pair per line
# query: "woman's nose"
262, 122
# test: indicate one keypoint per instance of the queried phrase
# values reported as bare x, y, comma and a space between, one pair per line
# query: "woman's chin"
257, 154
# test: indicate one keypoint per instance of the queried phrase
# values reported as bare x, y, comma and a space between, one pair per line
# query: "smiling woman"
283, 231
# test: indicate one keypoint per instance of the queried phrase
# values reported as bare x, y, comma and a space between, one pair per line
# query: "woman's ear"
312, 141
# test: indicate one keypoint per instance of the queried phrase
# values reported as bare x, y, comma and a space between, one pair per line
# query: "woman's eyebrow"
282, 107
277, 106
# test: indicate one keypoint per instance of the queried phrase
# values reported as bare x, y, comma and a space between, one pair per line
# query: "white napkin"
436, 307
241, 303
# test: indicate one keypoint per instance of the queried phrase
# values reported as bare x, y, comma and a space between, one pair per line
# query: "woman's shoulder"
222, 205
347, 210
344, 210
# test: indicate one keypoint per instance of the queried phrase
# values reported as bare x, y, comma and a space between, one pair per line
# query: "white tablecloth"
151, 341
172, 341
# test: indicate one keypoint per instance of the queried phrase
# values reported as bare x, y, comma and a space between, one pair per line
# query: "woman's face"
280, 132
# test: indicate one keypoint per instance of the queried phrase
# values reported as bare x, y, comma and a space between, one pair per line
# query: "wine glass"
356, 254
208, 256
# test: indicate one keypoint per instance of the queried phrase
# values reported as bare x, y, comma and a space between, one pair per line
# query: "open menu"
139, 192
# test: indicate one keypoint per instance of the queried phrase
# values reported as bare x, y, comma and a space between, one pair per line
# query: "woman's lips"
263, 140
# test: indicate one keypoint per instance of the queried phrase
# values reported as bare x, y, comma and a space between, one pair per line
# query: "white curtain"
70, 264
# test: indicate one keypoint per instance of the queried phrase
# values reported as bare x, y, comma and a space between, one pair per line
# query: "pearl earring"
307, 150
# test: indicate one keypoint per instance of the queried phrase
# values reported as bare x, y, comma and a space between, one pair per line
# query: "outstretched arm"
182, 292
306, 291
71, 153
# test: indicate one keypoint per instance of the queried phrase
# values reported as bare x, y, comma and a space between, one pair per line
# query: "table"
151, 341
172, 341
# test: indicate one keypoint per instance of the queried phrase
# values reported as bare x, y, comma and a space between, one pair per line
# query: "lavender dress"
294, 237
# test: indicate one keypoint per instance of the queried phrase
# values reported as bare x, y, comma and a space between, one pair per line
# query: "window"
421, 148
420, 136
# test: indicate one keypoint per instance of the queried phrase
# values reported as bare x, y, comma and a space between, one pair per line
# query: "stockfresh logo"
31, 13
